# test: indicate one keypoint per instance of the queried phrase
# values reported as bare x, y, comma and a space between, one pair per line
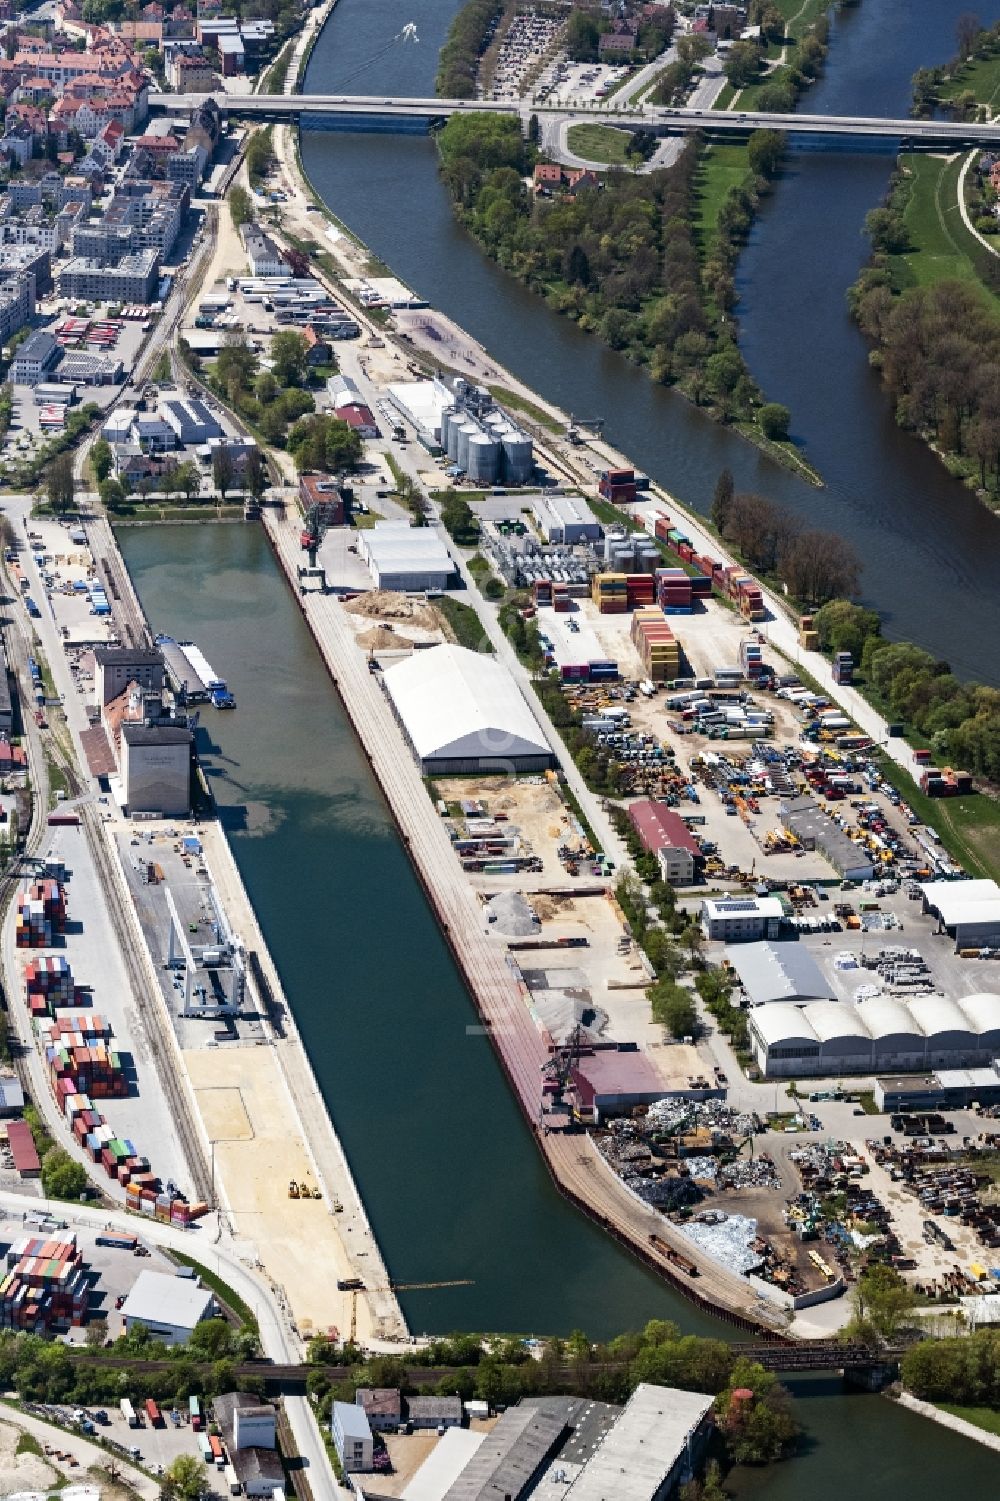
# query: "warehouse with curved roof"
461, 711
877, 1035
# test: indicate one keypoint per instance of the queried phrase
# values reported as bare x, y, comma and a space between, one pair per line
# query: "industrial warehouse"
463, 712
878, 1035
967, 910
464, 422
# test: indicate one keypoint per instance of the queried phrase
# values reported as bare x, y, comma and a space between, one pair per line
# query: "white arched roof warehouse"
943, 1023
839, 1029
891, 1025
779, 1025
982, 1011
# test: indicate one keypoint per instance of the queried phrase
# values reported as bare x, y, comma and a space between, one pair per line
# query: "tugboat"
222, 698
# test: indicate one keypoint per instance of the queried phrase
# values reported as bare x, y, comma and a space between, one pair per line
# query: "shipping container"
194, 1413
129, 1413
153, 1413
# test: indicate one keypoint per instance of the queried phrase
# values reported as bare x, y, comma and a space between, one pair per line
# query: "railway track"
147, 994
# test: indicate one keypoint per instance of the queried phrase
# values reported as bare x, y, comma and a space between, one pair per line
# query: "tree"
882, 1301
256, 474
101, 459
817, 566
288, 357
581, 37
185, 1476
60, 483
534, 131
774, 420
674, 1008
967, 31
722, 499
761, 1428
844, 626
240, 206
223, 469
188, 479
765, 149
62, 1176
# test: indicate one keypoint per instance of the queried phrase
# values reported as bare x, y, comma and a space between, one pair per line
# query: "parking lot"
565, 82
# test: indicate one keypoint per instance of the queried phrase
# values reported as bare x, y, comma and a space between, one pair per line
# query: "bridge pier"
871, 1378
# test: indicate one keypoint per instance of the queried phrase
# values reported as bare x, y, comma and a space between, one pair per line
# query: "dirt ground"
258, 1150
383, 604
533, 807
24, 1472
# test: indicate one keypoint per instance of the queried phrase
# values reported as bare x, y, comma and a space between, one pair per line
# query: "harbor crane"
558, 1069
592, 425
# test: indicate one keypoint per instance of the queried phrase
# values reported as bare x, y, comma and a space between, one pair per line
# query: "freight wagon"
119, 1240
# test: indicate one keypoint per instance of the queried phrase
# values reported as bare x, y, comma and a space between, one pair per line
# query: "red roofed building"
547, 175
360, 418
665, 835
613, 1081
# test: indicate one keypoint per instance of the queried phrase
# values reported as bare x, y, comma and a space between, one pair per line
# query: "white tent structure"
463, 712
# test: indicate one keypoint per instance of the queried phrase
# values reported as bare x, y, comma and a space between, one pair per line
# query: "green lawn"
721, 169
980, 77
982, 1417
599, 143
726, 98
518, 403
969, 826
944, 247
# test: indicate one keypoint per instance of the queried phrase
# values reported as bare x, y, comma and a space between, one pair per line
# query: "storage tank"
483, 467
447, 417
466, 433
518, 457
453, 430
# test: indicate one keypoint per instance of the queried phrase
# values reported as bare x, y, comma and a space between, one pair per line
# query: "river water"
932, 553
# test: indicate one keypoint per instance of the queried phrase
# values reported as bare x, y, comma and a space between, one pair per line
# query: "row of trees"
813, 565
468, 38
960, 720
965, 1369
502, 1371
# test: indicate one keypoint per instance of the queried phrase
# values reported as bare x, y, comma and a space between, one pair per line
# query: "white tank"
518, 457
483, 467
454, 427
447, 417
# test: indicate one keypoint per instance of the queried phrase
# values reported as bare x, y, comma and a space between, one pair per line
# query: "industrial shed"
816, 830
613, 1081
880, 1035
968, 910
405, 558
778, 972
463, 712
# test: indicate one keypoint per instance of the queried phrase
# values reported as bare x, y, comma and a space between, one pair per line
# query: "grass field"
464, 622
980, 77
969, 826
721, 169
599, 143
982, 1417
521, 404
944, 248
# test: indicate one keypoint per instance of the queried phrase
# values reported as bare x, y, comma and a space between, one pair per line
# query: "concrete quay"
573, 1162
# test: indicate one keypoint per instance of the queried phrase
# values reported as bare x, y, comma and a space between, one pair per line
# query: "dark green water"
448, 1172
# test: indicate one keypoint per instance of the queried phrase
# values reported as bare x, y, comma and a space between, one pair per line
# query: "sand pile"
381, 638
22, 1472
383, 604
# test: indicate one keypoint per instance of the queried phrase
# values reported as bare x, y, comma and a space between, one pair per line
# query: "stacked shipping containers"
41, 911
618, 486
656, 644
610, 593
751, 658
843, 667
542, 591
808, 634
560, 597
45, 1284
673, 591
639, 589
49, 984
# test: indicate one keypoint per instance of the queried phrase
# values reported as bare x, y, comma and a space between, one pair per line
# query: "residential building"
382, 1406
132, 278
352, 1437
170, 1308
194, 75
361, 419
262, 253
35, 358
434, 1412
17, 305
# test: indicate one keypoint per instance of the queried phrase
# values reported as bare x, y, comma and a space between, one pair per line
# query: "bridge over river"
373, 111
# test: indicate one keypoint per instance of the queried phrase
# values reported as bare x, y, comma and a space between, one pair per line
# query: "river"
932, 553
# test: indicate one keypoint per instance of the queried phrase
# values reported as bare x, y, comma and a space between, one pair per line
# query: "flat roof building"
118, 666
565, 519
741, 919
613, 1081
652, 1449
156, 769
968, 910
171, 1308
405, 558
779, 972
462, 711
816, 830
352, 1437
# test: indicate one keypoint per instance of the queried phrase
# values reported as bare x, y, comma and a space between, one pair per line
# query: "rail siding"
576, 1168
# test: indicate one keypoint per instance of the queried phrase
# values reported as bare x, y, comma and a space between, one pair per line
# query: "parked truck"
129, 1413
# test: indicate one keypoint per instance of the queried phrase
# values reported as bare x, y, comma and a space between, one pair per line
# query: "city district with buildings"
746, 999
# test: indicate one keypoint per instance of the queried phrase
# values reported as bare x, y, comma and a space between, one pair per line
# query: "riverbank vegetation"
757, 1429
929, 301
756, 81
811, 565
964, 1370
968, 86
621, 258
468, 37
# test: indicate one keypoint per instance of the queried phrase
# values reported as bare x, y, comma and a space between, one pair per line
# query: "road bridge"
384, 111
